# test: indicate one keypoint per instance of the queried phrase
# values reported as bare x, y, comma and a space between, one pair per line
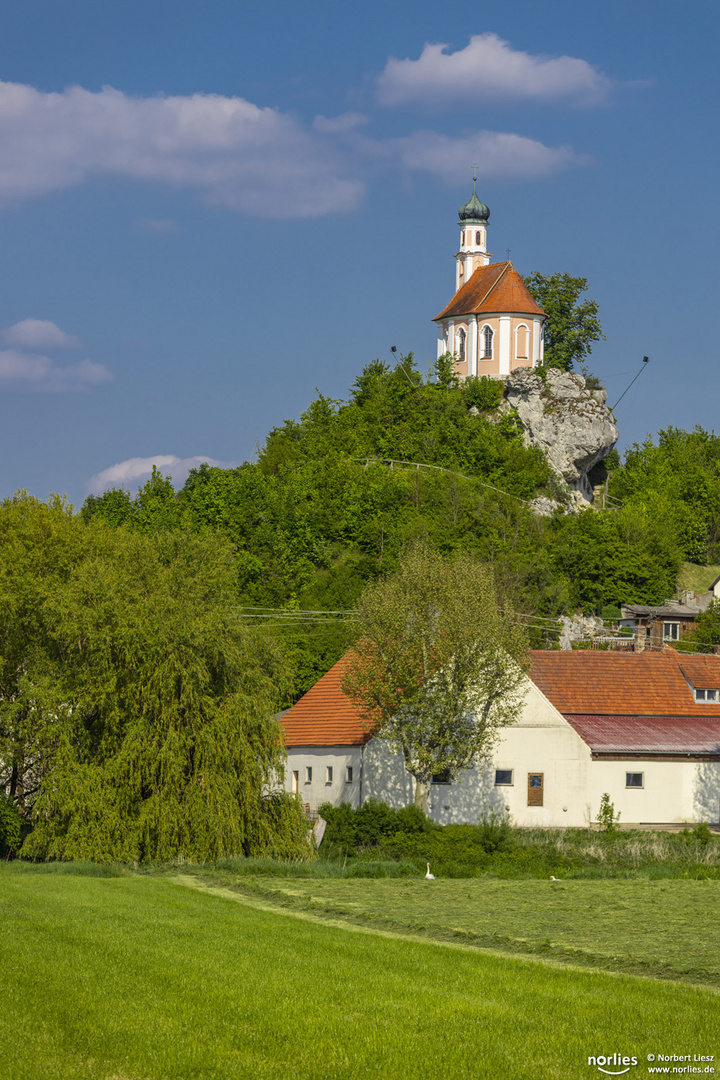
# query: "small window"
348, 774
461, 335
634, 779
329, 774
521, 350
487, 335
442, 777
503, 777
671, 631
308, 775
477, 238
706, 695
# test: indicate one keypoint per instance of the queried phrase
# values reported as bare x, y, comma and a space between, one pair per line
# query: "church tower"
473, 220
492, 325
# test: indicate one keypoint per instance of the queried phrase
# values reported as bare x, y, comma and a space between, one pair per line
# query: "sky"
211, 211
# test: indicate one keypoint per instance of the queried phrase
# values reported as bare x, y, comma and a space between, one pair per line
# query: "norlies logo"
613, 1060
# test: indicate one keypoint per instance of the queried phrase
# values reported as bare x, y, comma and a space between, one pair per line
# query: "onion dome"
473, 212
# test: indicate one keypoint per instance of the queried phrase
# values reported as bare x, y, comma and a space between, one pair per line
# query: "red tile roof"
649, 734
325, 717
626, 684
497, 288
617, 702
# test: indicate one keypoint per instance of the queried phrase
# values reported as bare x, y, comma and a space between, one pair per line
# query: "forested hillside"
335, 496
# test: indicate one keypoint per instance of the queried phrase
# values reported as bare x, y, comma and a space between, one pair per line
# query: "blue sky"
209, 210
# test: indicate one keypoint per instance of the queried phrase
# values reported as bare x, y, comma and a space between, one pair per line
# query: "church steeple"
473, 217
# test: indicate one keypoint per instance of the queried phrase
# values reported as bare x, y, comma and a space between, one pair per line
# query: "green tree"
439, 665
143, 710
572, 325
706, 635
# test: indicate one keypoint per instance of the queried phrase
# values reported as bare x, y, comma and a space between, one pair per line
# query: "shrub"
369, 824
484, 394
607, 819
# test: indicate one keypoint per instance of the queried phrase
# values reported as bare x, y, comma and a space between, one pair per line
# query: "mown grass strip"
134, 978
665, 929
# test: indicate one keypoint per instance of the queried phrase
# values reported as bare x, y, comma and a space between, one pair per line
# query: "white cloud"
22, 368
497, 155
135, 471
38, 334
33, 371
489, 69
233, 153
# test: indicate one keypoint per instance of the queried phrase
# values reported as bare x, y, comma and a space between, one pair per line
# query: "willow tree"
154, 706
438, 668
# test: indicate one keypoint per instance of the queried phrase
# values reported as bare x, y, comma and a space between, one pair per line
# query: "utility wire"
646, 361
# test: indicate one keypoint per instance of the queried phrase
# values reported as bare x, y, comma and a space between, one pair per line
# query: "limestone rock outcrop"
570, 423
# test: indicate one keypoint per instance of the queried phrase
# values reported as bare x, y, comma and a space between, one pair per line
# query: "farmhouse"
644, 727
492, 325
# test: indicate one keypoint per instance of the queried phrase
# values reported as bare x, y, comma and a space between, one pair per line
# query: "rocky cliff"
569, 422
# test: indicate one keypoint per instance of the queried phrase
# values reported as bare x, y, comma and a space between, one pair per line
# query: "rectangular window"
706, 695
348, 774
671, 631
442, 777
634, 779
503, 777
328, 774
308, 775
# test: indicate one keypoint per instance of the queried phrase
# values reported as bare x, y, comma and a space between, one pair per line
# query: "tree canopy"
138, 713
572, 325
438, 667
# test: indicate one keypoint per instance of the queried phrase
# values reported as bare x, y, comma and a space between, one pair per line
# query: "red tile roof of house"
497, 288
626, 684
648, 734
325, 717
615, 701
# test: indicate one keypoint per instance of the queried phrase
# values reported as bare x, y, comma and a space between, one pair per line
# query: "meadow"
113, 975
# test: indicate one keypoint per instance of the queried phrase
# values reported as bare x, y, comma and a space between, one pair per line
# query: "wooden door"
535, 788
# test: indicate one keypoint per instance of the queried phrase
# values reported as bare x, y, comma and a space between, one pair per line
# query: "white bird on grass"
555, 878
429, 876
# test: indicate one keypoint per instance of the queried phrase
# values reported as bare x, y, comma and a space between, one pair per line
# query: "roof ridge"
496, 282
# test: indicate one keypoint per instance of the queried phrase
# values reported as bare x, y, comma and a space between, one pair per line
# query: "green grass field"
141, 978
662, 928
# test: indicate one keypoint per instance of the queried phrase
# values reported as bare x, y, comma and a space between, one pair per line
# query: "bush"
484, 394
367, 826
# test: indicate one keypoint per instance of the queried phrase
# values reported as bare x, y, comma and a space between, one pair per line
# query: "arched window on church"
487, 337
521, 342
461, 335
477, 238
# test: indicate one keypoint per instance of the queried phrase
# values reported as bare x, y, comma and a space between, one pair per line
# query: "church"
492, 325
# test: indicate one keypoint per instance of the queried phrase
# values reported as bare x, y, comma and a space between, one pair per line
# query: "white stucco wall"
542, 741
672, 791
318, 791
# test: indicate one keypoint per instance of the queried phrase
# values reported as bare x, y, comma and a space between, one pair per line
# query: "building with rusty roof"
643, 727
492, 325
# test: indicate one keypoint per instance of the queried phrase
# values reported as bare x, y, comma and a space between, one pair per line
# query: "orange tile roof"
626, 684
497, 288
584, 686
325, 717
